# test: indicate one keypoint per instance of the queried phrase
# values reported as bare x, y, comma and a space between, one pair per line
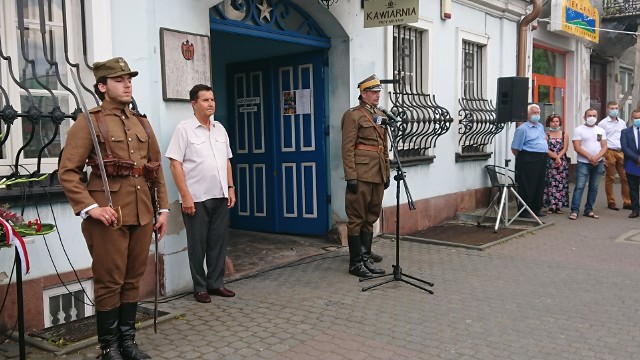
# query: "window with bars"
472, 70
478, 126
423, 120
36, 98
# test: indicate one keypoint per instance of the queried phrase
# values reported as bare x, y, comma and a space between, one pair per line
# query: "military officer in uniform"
118, 237
365, 160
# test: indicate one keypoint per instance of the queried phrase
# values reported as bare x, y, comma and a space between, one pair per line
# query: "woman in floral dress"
556, 191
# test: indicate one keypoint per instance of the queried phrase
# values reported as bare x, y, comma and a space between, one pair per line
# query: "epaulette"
354, 108
95, 109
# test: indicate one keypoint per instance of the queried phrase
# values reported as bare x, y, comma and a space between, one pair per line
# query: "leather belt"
137, 171
616, 150
377, 149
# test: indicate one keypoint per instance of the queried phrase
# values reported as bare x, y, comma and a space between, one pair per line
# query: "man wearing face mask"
590, 142
629, 141
365, 159
530, 148
614, 157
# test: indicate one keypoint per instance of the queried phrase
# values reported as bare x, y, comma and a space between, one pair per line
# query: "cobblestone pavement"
568, 291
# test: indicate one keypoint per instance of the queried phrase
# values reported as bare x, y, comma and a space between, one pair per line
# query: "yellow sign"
391, 12
577, 18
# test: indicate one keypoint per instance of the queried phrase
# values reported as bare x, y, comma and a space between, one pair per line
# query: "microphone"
392, 119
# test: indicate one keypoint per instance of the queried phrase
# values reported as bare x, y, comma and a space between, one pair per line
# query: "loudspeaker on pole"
512, 99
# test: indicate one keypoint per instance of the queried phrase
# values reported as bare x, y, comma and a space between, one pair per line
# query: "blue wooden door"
277, 109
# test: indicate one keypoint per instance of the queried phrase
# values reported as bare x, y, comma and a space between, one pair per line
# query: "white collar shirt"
612, 129
204, 154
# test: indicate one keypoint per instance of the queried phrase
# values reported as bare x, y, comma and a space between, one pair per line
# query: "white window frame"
11, 47
480, 39
47, 294
626, 81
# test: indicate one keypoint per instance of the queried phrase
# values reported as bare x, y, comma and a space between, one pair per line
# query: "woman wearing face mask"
556, 191
590, 142
629, 142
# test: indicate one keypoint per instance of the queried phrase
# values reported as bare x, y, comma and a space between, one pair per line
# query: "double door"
277, 121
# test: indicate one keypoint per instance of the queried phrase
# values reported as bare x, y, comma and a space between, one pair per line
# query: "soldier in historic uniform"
118, 237
365, 159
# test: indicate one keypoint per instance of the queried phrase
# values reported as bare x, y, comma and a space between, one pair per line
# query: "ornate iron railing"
423, 121
620, 8
478, 126
41, 70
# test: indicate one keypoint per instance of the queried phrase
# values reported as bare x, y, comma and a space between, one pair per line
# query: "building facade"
283, 73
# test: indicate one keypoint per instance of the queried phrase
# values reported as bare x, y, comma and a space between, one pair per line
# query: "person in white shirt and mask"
614, 158
590, 142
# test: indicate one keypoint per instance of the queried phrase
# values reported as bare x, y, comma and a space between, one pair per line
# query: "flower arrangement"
24, 229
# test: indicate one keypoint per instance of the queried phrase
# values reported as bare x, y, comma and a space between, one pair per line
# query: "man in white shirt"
199, 152
590, 142
614, 158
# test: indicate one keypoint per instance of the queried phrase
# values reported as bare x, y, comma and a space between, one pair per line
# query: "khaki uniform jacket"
128, 141
358, 128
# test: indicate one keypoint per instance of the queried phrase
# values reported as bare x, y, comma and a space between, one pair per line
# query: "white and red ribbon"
13, 238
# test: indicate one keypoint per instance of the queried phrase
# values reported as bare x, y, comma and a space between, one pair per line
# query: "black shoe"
375, 257
107, 323
627, 207
360, 271
128, 347
541, 214
372, 269
634, 214
613, 207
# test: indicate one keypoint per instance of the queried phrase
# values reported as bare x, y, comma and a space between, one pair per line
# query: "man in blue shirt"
530, 148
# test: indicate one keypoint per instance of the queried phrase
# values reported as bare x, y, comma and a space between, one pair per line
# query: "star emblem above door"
265, 10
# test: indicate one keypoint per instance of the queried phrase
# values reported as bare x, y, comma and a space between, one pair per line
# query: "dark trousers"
119, 261
530, 172
207, 241
634, 184
363, 208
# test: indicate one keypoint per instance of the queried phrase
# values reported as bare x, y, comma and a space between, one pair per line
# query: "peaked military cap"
112, 68
370, 84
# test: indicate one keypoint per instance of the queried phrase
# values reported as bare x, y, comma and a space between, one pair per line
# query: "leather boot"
128, 347
356, 267
107, 322
366, 239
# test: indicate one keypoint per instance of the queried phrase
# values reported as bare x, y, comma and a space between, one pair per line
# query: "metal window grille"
36, 96
478, 125
62, 306
472, 68
423, 120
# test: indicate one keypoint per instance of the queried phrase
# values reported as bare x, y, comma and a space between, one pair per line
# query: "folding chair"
500, 202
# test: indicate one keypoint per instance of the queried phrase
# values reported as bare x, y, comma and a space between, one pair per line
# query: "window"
408, 61
472, 69
40, 82
64, 304
477, 125
626, 85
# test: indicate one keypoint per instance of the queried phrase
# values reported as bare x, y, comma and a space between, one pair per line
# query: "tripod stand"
397, 270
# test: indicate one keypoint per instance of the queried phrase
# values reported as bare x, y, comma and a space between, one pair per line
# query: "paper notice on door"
303, 101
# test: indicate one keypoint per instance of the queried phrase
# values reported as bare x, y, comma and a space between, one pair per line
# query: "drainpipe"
522, 36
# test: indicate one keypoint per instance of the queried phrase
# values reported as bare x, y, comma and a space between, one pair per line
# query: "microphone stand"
399, 177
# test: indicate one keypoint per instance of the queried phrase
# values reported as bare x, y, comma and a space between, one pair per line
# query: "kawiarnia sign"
392, 12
